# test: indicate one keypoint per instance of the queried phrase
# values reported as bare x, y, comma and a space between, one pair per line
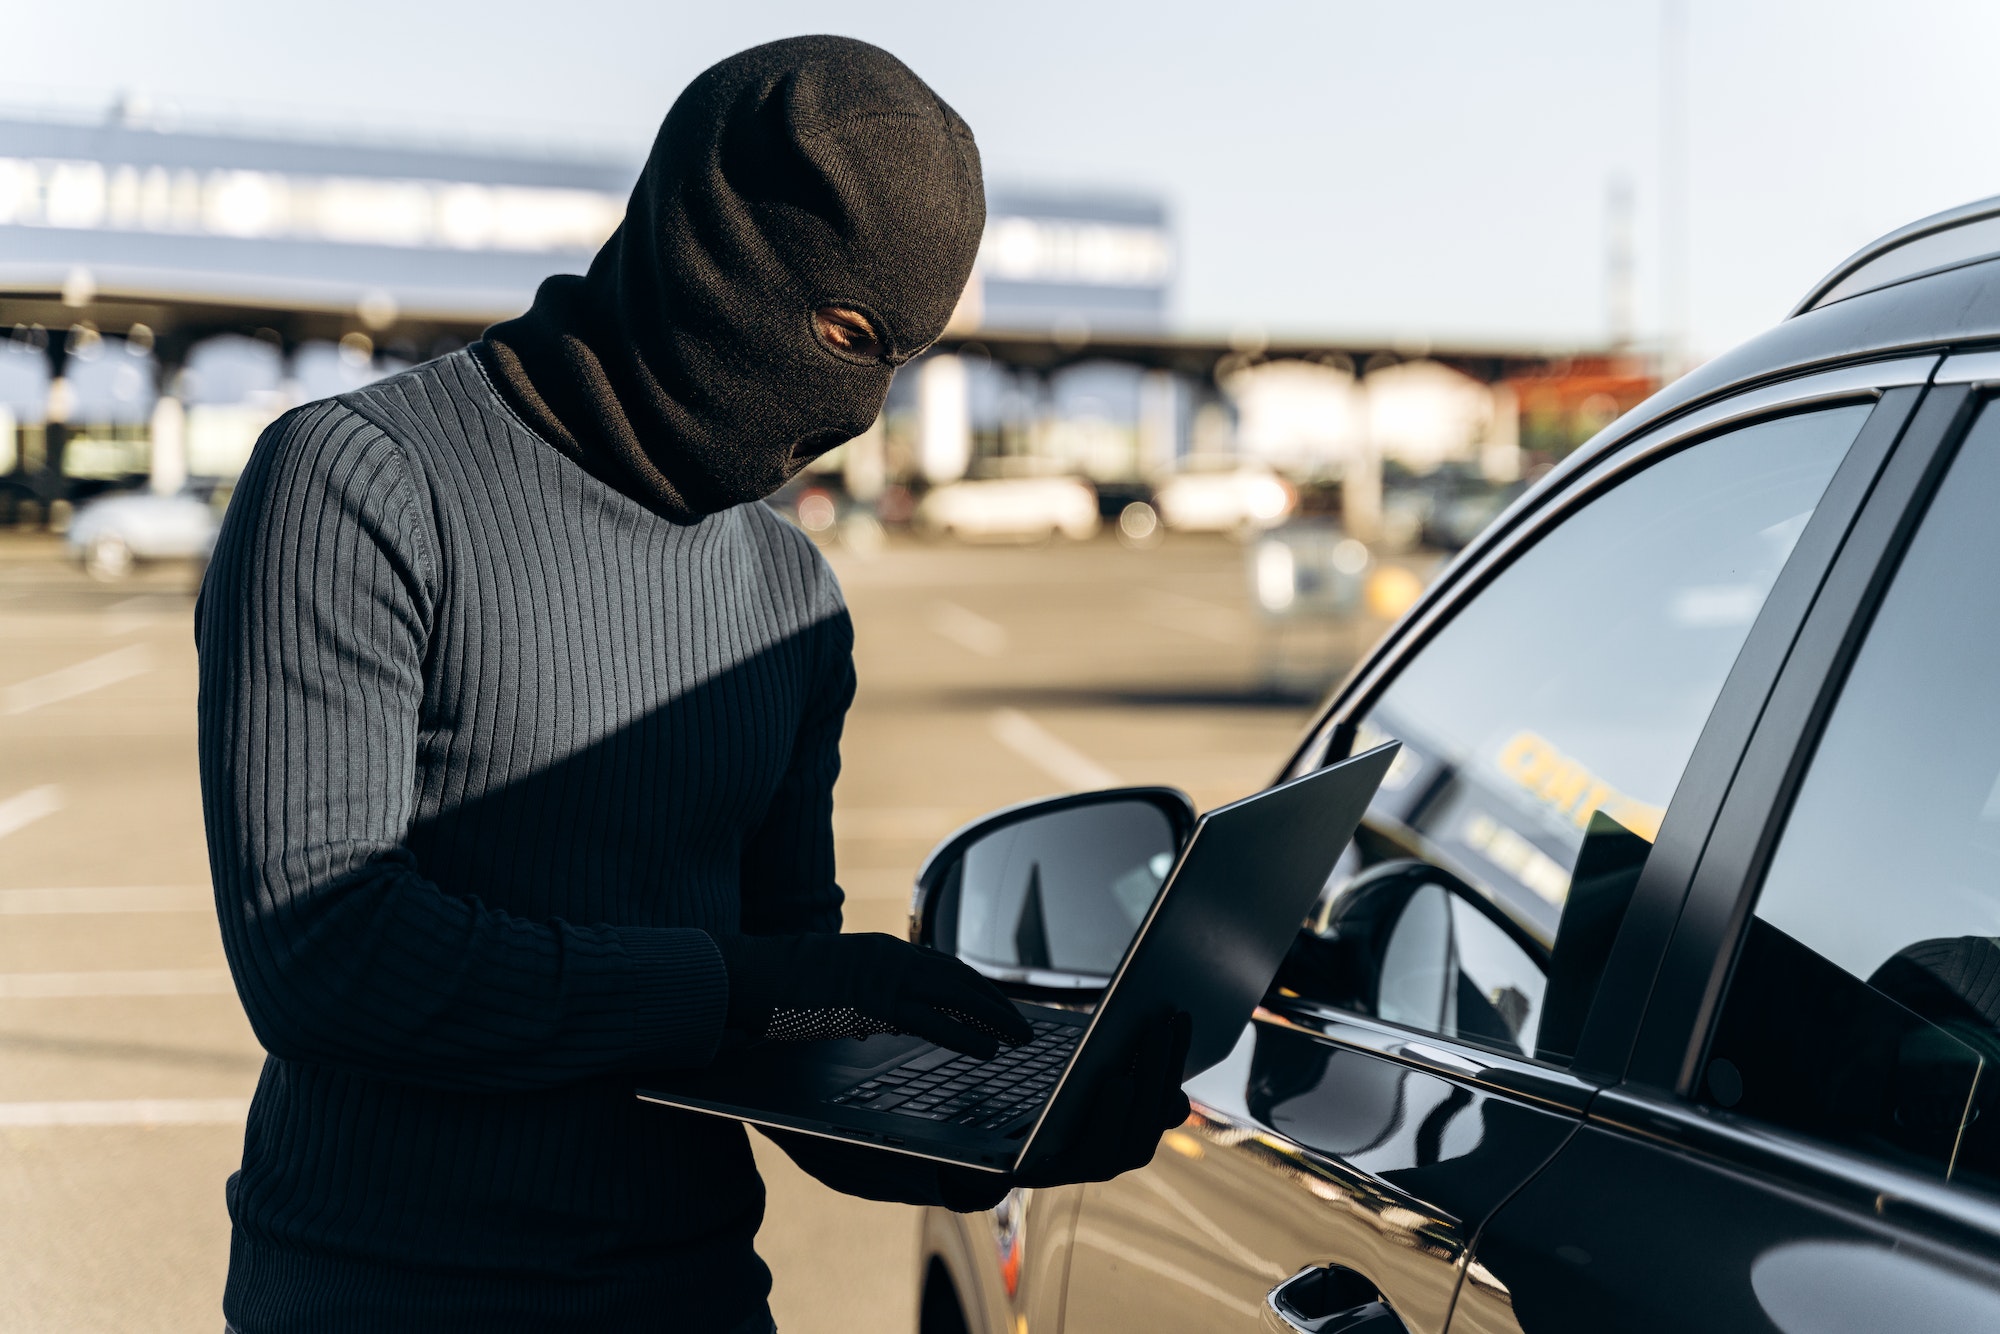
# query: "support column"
169, 449
1210, 434
1361, 478
49, 483
169, 452
290, 395
944, 419
865, 465
1159, 423
1500, 455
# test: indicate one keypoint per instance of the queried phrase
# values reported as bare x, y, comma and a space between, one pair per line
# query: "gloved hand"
1126, 1115
826, 985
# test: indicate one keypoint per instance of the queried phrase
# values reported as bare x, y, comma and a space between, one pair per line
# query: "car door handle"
1329, 1300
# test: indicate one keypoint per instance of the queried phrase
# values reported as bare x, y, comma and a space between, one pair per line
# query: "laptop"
1212, 941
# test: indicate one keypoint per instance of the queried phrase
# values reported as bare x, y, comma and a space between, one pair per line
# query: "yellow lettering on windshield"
1572, 789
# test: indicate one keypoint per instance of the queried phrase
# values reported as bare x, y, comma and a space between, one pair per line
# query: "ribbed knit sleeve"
313, 628
788, 865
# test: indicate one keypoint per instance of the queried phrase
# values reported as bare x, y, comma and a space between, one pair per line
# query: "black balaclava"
685, 369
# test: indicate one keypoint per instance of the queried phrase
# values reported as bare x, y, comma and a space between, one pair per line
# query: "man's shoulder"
324, 439
376, 421
444, 399
788, 548
319, 468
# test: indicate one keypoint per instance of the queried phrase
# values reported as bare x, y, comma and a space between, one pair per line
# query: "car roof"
1947, 240
1955, 303
1928, 312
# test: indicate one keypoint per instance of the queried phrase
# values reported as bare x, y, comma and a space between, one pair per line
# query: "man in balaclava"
519, 728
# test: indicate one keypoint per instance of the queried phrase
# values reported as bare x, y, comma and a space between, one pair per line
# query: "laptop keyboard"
943, 1085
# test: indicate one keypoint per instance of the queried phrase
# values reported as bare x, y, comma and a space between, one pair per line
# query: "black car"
1659, 990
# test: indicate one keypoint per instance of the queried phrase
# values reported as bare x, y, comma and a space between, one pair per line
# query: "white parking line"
127, 1112
144, 612
106, 899
78, 679
116, 982
24, 808
1048, 752
967, 629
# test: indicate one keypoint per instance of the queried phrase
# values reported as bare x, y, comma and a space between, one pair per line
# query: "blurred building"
1071, 264
126, 212
164, 293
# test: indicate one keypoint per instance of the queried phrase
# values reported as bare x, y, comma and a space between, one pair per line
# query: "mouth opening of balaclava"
685, 368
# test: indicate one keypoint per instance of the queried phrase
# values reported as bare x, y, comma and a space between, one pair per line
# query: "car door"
1360, 1134
1808, 1138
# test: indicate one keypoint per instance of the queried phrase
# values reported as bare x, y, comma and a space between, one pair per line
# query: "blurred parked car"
1238, 500
1444, 508
1010, 509
112, 534
1461, 504
1658, 991
1307, 570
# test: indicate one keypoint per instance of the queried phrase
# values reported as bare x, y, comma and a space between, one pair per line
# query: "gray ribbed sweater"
487, 748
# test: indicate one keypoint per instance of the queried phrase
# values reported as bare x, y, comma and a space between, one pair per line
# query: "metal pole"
1674, 252
944, 419
1361, 478
1618, 264
169, 444
49, 483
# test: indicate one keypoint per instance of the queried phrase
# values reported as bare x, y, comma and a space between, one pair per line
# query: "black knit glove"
824, 985
1129, 1110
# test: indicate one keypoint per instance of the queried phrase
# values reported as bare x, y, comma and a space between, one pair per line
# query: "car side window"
1865, 1004
1559, 706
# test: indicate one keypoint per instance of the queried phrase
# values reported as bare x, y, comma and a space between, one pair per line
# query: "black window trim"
1754, 798
1518, 1077
1656, 1102
1633, 972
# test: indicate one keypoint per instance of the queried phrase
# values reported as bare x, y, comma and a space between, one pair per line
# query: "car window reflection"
1579, 680
1865, 1006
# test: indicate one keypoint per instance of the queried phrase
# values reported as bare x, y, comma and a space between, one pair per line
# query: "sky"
1429, 172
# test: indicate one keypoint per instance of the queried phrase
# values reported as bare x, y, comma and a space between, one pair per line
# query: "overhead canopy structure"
1203, 357
196, 233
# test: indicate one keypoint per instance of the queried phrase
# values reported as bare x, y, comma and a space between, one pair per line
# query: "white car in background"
112, 534
1238, 500
1010, 509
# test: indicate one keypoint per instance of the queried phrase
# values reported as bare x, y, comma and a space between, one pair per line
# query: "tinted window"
1865, 1007
1578, 681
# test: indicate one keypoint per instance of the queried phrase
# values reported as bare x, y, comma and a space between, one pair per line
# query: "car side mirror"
1413, 944
1043, 898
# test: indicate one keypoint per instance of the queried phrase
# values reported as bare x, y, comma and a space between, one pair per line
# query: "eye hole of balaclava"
848, 333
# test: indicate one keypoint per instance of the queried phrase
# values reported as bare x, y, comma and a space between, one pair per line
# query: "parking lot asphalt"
988, 675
